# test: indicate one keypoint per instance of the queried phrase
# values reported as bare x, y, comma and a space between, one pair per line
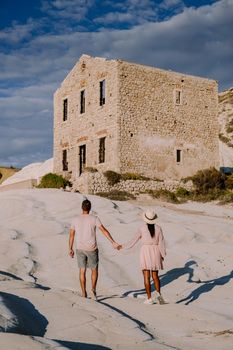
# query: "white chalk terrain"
40, 305
226, 128
31, 171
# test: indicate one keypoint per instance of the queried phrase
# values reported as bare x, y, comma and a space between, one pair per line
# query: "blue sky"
41, 40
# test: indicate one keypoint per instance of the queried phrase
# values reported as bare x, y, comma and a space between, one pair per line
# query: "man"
84, 226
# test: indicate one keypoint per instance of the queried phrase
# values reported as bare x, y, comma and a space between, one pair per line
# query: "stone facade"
93, 183
153, 122
86, 129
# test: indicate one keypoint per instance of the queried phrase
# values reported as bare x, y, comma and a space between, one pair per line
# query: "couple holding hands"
152, 251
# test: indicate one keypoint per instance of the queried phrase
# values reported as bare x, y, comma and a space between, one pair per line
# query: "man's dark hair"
86, 205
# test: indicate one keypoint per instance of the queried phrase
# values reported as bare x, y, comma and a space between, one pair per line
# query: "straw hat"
149, 216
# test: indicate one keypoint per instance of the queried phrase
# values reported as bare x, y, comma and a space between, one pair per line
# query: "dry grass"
163, 195
7, 172
226, 332
116, 195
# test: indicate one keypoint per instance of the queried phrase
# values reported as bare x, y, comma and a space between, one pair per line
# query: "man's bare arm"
109, 237
71, 242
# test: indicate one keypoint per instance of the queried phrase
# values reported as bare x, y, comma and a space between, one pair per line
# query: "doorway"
82, 158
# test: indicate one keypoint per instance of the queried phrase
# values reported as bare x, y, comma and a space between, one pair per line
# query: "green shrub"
207, 180
133, 176
165, 195
186, 179
182, 192
223, 138
229, 129
211, 195
112, 177
116, 195
229, 182
229, 126
90, 169
227, 198
51, 180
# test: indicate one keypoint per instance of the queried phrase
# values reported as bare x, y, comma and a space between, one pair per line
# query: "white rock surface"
50, 314
31, 171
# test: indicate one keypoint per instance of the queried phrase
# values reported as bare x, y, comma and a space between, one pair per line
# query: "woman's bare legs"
146, 275
156, 280
82, 279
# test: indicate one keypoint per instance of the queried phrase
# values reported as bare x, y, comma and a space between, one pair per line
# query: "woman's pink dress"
152, 250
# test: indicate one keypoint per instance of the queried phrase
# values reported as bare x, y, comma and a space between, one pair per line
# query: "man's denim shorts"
87, 259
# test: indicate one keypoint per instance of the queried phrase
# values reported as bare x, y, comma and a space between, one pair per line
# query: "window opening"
65, 109
102, 150
102, 92
82, 158
64, 160
178, 155
82, 101
178, 97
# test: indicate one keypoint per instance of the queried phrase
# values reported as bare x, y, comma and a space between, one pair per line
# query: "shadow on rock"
206, 287
27, 319
9, 276
174, 274
80, 346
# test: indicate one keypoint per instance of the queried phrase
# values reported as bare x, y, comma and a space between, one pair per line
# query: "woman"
152, 253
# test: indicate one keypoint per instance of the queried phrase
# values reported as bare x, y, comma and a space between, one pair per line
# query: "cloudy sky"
41, 40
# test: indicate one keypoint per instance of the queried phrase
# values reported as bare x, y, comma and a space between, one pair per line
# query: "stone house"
126, 117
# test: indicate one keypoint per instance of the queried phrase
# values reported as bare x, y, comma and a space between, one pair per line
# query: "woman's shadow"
206, 287
174, 274
167, 278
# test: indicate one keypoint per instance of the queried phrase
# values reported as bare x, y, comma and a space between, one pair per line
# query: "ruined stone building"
126, 117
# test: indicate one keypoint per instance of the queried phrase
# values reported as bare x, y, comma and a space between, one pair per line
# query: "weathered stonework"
157, 123
93, 183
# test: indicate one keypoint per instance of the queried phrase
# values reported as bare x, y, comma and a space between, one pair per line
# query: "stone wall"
97, 121
92, 183
154, 126
144, 125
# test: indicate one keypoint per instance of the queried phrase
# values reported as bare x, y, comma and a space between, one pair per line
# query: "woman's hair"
151, 228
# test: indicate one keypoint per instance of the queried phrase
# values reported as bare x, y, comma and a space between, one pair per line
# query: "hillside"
31, 171
226, 128
6, 172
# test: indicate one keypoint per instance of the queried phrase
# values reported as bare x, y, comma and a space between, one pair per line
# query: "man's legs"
146, 275
94, 278
82, 279
93, 260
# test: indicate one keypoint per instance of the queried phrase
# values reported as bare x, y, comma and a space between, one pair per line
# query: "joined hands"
117, 246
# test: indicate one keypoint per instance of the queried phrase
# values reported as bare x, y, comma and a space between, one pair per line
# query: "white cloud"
19, 32
167, 4
113, 17
19, 103
130, 12
67, 9
196, 41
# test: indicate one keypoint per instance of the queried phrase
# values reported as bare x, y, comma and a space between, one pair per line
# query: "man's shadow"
206, 287
167, 278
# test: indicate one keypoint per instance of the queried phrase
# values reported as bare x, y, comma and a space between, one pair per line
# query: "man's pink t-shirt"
85, 231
